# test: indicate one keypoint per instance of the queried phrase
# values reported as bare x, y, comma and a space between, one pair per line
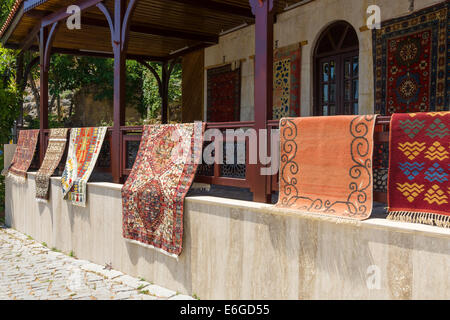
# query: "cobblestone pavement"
30, 270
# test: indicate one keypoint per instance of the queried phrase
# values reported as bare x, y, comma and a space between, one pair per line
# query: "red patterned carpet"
419, 188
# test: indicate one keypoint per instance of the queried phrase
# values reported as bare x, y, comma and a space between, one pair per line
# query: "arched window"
336, 59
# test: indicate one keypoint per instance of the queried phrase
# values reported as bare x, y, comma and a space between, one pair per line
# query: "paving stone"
181, 297
132, 282
30, 271
146, 297
160, 291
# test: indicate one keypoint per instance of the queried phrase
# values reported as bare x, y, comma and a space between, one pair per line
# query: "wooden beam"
77, 52
141, 28
101, 6
62, 13
155, 74
174, 33
38, 14
48, 46
187, 50
218, 6
156, 30
31, 37
126, 24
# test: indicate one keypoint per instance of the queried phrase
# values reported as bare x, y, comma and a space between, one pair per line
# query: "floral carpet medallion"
153, 195
411, 59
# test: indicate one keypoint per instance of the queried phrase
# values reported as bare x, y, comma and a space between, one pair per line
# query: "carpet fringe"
40, 200
427, 218
78, 204
16, 178
153, 247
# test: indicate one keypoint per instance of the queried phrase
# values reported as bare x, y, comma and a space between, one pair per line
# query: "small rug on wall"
153, 195
326, 165
224, 93
84, 147
23, 156
419, 172
411, 62
286, 82
55, 150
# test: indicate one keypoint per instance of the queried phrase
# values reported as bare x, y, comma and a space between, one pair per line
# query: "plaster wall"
244, 250
306, 23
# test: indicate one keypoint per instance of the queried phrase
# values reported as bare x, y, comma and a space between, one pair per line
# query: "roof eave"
11, 25
31, 4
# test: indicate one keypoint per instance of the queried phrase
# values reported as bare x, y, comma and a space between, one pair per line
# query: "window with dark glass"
336, 88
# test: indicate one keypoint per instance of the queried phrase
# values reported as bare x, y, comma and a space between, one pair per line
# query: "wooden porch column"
165, 77
43, 103
119, 27
119, 90
262, 9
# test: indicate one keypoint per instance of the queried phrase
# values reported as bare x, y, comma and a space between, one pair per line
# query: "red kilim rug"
153, 195
224, 94
55, 151
419, 170
411, 62
23, 156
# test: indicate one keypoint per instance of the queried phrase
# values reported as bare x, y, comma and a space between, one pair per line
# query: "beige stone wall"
244, 250
306, 23
9, 150
89, 111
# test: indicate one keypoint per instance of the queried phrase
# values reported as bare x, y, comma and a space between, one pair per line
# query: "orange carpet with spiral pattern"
326, 165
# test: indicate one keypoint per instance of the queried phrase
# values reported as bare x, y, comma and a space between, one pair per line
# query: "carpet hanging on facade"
153, 195
224, 93
84, 147
23, 156
326, 165
419, 172
286, 82
55, 150
411, 62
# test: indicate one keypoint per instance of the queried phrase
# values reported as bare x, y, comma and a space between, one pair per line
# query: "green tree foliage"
9, 109
152, 100
9, 96
5, 8
71, 74
8, 113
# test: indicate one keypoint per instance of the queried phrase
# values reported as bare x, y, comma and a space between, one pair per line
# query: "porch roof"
159, 29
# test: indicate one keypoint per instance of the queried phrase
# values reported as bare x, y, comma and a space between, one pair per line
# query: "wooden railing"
232, 175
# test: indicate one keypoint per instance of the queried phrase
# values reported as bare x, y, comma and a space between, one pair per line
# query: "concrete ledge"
271, 209
243, 250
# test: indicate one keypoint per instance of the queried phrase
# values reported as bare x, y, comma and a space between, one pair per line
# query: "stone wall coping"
271, 209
